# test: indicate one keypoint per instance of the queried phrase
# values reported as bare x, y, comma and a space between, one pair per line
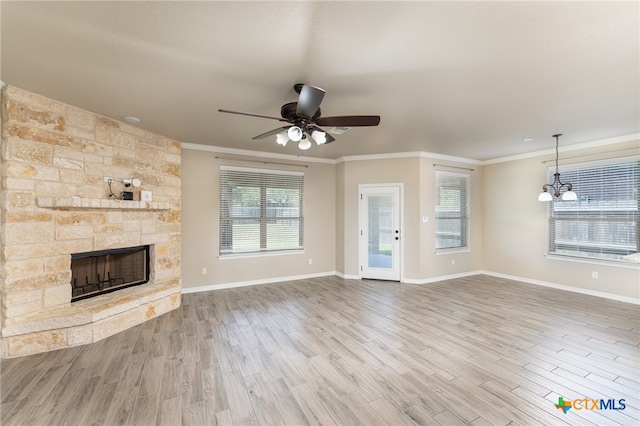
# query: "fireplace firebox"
98, 272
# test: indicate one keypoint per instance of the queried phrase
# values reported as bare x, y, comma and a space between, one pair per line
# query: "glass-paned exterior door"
380, 232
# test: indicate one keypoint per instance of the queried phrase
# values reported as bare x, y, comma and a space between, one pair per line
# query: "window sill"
612, 263
453, 251
260, 254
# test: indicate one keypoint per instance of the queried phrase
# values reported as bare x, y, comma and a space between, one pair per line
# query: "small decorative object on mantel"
557, 185
128, 183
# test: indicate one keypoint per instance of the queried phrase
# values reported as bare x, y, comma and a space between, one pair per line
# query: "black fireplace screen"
104, 271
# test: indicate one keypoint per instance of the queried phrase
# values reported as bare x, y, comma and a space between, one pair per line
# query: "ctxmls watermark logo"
590, 404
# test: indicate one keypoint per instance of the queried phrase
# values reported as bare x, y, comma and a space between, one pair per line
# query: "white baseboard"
223, 286
602, 294
347, 276
420, 281
440, 278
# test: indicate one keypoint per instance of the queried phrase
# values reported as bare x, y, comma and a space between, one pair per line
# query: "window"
452, 210
260, 210
603, 222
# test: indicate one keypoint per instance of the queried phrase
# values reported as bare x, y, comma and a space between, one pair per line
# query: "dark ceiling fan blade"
349, 121
271, 132
309, 100
252, 115
327, 136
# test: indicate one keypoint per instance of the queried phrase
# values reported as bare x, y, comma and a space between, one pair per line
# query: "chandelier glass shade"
549, 190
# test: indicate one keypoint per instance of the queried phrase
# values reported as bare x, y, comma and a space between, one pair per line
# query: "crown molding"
566, 148
413, 154
251, 153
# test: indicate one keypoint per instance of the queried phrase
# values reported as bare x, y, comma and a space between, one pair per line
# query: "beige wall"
508, 225
417, 174
200, 221
398, 170
515, 226
437, 265
340, 218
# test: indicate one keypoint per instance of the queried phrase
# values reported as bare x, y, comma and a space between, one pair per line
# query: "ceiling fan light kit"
294, 133
304, 117
282, 139
319, 137
304, 144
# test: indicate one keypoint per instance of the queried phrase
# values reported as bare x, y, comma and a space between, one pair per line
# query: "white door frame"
363, 222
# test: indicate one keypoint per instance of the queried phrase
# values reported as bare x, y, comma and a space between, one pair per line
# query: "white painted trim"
440, 252
212, 287
2, 84
566, 148
363, 222
420, 154
434, 156
414, 154
251, 153
602, 294
610, 296
440, 278
254, 254
385, 156
588, 261
347, 276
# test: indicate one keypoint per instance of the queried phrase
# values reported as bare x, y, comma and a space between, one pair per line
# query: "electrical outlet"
204, 271
453, 261
594, 274
107, 179
310, 261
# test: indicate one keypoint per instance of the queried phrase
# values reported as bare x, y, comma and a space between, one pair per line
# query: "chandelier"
555, 187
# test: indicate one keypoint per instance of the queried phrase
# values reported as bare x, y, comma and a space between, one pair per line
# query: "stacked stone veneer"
54, 202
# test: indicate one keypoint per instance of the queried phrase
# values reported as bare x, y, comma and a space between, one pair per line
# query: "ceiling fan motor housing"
288, 112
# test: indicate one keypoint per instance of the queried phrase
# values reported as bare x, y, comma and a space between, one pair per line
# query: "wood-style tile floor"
478, 350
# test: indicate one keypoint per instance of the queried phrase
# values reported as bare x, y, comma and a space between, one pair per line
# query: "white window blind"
260, 210
452, 210
603, 222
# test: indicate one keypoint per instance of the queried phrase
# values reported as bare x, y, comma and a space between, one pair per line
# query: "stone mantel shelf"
99, 203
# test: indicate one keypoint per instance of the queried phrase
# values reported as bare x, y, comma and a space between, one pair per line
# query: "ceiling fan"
304, 118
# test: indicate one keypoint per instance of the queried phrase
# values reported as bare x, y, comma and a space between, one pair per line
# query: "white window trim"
585, 259
265, 253
249, 255
467, 247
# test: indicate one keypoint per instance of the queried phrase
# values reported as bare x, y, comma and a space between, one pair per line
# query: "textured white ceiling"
467, 79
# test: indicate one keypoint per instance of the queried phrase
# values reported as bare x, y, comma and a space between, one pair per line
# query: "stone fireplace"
56, 208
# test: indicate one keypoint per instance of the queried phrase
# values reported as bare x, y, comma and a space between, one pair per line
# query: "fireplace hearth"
99, 272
